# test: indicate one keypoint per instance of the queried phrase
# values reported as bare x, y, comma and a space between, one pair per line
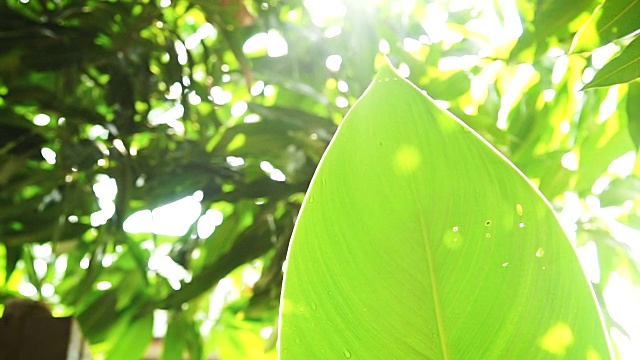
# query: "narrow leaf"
13, 254
181, 335
623, 68
135, 339
553, 15
611, 20
418, 240
551, 18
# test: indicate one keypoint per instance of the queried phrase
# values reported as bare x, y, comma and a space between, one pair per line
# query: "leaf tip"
386, 72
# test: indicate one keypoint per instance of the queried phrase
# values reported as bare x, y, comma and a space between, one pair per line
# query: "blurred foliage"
231, 103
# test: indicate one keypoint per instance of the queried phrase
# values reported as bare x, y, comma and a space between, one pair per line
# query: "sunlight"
40, 267
513, 92
205, 31
623, 166
245, 110
557, 339
559, 69
47, 290
27, 289
181, 50
169, 117
588, 255
163, 264
404, 70
103, 285
208, 223
384, 47
602, 55
274, 174
98, 132
453, 63
570, 161
609, 104
333, 62
239, 108
41, 119
48, 155
622, 299
332, 32
411, 45
220, 96
325, 12
105, 190
173, 219
342, 102
343, 87
435, 22
270, 43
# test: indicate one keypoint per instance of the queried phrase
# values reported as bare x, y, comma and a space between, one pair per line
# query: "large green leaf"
611, 20
623, 68
418, 240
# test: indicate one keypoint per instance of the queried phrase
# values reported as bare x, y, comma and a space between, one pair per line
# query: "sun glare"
495, 26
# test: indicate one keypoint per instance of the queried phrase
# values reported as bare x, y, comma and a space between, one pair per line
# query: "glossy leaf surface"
418, 240
611, 20
623, 68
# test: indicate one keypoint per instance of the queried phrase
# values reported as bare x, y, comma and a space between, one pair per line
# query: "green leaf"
13, 254
134, 340
602, 144
620, 190
623, 68
633, 112
250, 244
233, 338
552, 15
419, 240
181, 334
611, 20
552, 18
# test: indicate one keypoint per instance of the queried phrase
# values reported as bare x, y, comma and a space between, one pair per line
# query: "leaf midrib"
615, 18
596, 82
432, 275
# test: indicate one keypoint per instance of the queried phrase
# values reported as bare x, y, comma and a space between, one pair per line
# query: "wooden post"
29, 332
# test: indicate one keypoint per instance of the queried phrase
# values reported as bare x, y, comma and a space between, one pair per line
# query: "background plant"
228, 105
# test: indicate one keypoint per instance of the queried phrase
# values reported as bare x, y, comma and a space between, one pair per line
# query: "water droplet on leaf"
540, 252
452, 238
487, 223
505, 264
346, 353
